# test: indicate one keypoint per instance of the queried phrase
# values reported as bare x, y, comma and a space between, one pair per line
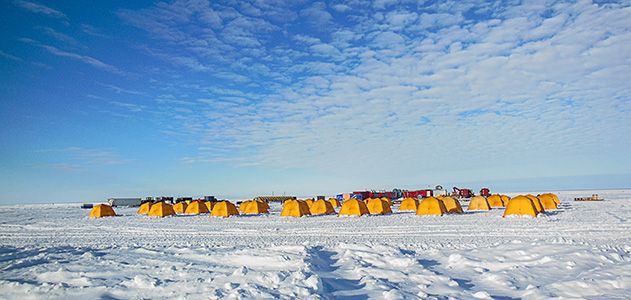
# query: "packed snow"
581, 250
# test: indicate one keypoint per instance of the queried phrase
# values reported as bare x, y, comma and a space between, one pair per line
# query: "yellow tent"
144, 208
161, 209
452, 205
102, 210
196, 207
431, 206
264, 203
179, 207
295, 208
505, 199
537, 203
408, 204
479, 203
224, 209
308, 201
387, 200
547, 201
253, 207
209, 205
554, 198
379, 207
334, 202
353, 207
495, 201
244, 205
521, 205
322, 207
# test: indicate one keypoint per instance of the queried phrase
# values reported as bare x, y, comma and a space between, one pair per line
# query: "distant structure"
124, 201
275, 198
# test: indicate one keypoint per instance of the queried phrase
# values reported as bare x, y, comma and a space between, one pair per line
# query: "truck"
418, 193
462, 193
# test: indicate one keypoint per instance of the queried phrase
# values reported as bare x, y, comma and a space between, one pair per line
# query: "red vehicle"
418, 193
485, 192
462, 193
373, 194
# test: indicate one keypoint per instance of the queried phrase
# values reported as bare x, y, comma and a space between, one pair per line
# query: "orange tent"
547, 201
495, 201
505, 199
537, 203
224, 209
521, 205
408, 204
378, 207
295, 208
479, 203
179, 207
161, 209
102, 210
452, 205
554, 197
196, 207
353, 207
322, 207
144, 208
431, 206
253, 207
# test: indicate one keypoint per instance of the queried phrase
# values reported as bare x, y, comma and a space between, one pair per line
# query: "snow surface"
581, 250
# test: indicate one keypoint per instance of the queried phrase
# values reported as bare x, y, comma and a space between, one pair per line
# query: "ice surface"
580, 250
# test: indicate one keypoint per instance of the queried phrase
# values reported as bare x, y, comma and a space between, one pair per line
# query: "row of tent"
519, 205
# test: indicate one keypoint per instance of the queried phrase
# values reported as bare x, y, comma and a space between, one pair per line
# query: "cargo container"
124, 201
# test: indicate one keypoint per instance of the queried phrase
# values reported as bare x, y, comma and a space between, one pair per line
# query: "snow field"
581, 250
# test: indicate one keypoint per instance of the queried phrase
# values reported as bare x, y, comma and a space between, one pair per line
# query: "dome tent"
144, 208
353, 207
537, 203
452, 205
505, 199
378, 207
321, 207
547, 201
209, 205
334, 202
521, 205
431, 206
161, 209
495, 200
102, 210
179, 207
479, 203
295, 208
253, 207
196, 207
408, 204
224, 209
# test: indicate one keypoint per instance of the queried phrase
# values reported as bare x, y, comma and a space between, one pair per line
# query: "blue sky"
241, 98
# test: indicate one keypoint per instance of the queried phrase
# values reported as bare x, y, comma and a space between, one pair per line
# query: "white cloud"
39, 8
83, 58
317, 14
438, 92
10, 56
